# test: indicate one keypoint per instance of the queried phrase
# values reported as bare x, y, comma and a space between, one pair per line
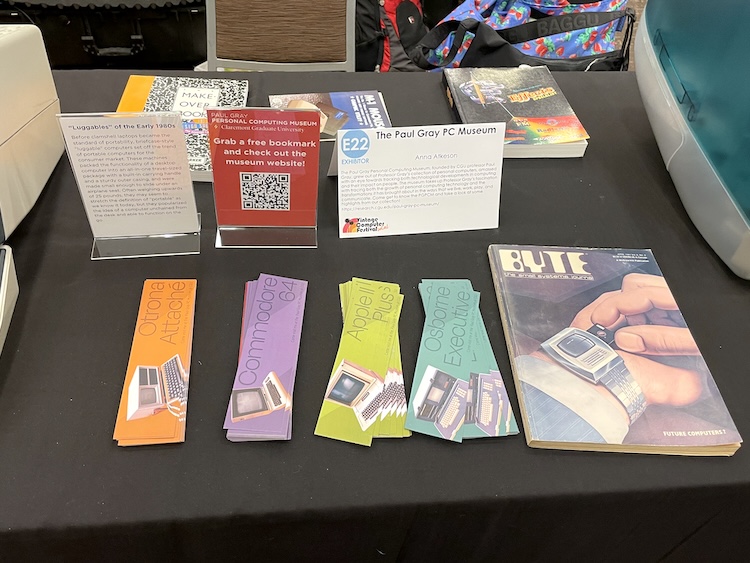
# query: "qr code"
264, 190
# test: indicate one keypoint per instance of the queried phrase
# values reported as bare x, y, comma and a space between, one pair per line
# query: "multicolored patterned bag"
554, 30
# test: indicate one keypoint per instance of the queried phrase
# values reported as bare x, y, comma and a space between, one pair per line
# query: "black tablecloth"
68, 492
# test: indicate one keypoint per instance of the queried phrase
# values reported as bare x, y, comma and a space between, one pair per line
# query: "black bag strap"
436, 36
627, 37
551, 25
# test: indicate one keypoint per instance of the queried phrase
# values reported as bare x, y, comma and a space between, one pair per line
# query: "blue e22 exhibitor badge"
355, 144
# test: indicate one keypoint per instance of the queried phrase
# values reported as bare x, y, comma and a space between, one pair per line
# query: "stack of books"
539, 120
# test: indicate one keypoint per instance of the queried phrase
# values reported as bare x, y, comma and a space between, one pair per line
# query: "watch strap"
626, 389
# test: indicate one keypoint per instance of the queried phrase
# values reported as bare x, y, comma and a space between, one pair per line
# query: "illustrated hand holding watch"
649, 327
589, 355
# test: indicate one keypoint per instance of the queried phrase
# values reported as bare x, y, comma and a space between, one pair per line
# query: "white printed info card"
426, 179
132, 172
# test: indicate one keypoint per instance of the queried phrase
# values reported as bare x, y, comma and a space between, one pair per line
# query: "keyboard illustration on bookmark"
358, 388
481, 406
490, 405
441, 399
486, 408
157, 388
259, 401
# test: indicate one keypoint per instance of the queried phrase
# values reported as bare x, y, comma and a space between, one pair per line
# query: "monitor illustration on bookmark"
357, 388
259, 401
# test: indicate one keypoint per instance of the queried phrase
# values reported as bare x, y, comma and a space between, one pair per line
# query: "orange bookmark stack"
153, 406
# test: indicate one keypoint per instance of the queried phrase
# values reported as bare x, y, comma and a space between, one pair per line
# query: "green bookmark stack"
458, 391
365, 396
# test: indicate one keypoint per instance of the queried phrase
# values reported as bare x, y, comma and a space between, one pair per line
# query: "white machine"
695, 93
30, 142
30, 138
8, 291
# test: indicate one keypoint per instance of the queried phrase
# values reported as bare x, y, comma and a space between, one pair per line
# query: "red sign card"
265, 165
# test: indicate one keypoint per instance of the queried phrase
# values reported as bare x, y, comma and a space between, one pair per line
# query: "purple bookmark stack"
260, 406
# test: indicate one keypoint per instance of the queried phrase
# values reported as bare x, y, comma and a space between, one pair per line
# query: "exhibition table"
68, 492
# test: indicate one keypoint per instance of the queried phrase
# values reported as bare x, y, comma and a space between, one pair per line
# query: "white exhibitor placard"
132, 172
406, 180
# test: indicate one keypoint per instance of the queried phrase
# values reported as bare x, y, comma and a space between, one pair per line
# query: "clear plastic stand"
134, 179
267, 237
146, 246
265, 166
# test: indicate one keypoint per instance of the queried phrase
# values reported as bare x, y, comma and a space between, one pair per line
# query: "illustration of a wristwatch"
588, 354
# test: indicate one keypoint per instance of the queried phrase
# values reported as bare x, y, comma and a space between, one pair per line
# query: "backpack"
563, 34
384, 31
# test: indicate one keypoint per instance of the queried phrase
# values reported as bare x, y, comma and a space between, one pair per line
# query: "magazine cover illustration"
602, 356
338, 110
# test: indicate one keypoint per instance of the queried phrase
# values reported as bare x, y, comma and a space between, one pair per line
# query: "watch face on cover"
582, 353
576, 344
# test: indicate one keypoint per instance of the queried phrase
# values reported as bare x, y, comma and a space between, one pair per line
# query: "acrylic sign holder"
172, 244
267, 237
265, 166
134, 179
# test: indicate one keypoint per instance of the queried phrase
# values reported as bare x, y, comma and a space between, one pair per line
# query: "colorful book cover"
153, 406
352, 398
602, 357
265, 167
339, 110
190, 96
528, 100
261, 399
